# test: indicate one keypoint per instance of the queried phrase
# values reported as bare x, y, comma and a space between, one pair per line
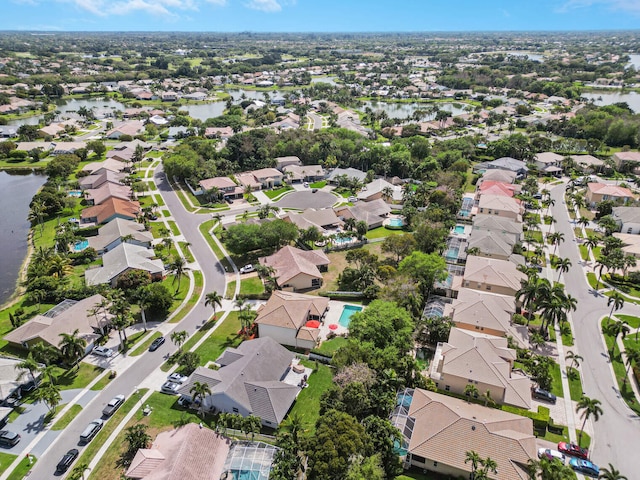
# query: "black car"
543, 395
8, 439
66, 460
156, 344
28, 387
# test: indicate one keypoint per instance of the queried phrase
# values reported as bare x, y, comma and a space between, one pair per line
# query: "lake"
634, 59
100, 106
404, 111
16, 191
605, 98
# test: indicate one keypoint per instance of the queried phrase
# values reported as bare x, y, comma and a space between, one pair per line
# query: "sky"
320, 15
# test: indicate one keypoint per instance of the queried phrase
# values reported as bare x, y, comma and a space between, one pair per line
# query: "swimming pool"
342, 240
347, 312
459, 230
396, 222
75, 193
81, 245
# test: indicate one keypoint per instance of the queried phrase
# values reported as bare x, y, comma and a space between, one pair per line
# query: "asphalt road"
317, 120
127, 381
617, 433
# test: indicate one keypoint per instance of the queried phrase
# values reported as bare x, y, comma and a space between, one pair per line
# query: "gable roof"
499, 202
118, 228
377, 186
95, 180
492, 243
508, 163
108, 164
492, 271
610, 190
250, 376
495, 223
349, 172
498, 175
325, 217
123, 257
109, 190
218, 182
493, 187
626, 214
441, 421
548, 157
110, 207
371, 212
290, 310
289, 262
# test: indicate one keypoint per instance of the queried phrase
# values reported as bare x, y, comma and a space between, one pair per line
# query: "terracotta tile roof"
491, 271
499, 202
610, 190
291, 310
109, 190
111, 207
218, 182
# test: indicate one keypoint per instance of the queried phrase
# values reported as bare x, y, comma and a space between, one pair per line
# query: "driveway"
617, 434
307, 199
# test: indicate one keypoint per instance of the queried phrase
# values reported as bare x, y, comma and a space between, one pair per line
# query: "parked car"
66, 460
177, 378
170, 388
184, 402
113, 405
585, 467
247, 269
156, 344
8, 438
573, 450
541, 394
91, 431
228, 200
551, 454
28, 387
352, 199
314, 190
305, 184
103, 351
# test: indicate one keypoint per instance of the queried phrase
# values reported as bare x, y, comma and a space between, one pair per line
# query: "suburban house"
503, 189
622, 159
282, 162
94, 181
493, 223
323, 219
549, 163
432, 426
8, 131
130, 128
500, 206
67, 148
268, 177
587, 162
380, 189
631, 244
292, 319
195, 452
505, 176
486, 313
124, 257
349, 173
303, 173
627, 218
491, 275
65, 317
491, 244
247, 180
373, 213
225, 186
485, 361
110, 209
223, 133
111, 164
296, 269
11, 377
110, 235
505, 163
597, 192
97, 196
260, 377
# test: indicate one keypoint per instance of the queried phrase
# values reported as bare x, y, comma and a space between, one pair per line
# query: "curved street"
54, 444
617, 433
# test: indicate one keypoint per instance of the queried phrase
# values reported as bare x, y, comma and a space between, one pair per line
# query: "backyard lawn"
329, 347
251, 286
307, 404
226, 335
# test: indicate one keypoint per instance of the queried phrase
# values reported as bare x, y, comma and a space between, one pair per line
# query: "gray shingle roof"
121, 258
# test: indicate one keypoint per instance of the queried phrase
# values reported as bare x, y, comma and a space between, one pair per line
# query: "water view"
16, 191
605, 98
406, 110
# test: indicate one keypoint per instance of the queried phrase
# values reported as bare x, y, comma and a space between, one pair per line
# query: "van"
91, 431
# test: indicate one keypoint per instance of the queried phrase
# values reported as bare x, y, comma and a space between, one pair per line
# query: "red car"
573, 450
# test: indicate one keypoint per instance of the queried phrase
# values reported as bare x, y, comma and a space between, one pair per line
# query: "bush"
519, 319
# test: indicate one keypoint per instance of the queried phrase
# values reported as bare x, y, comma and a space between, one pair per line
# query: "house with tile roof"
125, 257
373, 213
491, 275
98, 179
130, 128
110, 209
628, 219
268, 177
500, 206
252, 379
225, 185
297, 269
303, 173
493, 223
282, 162
376, 190
110, 235
548, 163
598, 192
622, 159
95, 168
497, 175
97, 196
487, 313
323, 219
285, 318
491, 244
485, 361
432, 426
588, 163
492, 187
65, 317
350, 173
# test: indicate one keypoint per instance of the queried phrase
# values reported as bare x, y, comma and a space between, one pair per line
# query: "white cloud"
124, 7
219, 3
632, 6
265, 5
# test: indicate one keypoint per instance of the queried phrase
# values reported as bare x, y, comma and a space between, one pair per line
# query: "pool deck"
333, 316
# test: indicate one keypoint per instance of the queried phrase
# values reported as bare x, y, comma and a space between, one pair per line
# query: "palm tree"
528, 295
610, 473
475, 460
72, 346
555, 238
199, 391
471, 390
350, 224
562, 266
633, 358
591, 242
142, 298
615, 301
588, 407
78, 471
49, 394
247, 318
178, 267
615, 328
60, 266
574, 357
213, 299
295, 426
44, 353
536, 339
29, 365
49, 372
121, 311
36, 214
251, 424
178, 338
387, 193
486, 396
136, 437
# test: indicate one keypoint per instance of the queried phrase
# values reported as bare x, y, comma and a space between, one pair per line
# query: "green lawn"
205, 227
174, 228
319, 184
231, 289
584, 252
307, 404
103, 382
187, 252
226, 335
6, 459
555, 438
197, 291
329, 347
577, 231
592, 279
77, 377
251, 286
623, 285
634, 322
556, 384
575, 385
67, 418
277, 192
144, 346
22, 469
382, 232
567, 334
193, 339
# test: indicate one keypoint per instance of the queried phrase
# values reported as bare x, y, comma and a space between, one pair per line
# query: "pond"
205, 110
634, 59
606, 98
99, 105
404, 111
535, 57
329, 80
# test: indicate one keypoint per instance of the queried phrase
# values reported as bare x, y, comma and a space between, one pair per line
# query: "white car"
170, 388
305, 185
247, 269
551, 454
103, 351
177, 378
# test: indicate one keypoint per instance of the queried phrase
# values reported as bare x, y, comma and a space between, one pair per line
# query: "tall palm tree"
178, 338
591, 242
29, 365
528, 295
142, 297
213, 300
199, 391
615, 301
475, 460
562, 266
72, 346
574, 357
588, 407
615, 328
611, 473
633, 358
295, 426
178, 267
555, 238
49, 394
471, 391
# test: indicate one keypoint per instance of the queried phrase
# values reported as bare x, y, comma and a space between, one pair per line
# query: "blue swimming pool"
396, 222
452, 254
342, 240
75, 193
81, 245
459, 230
347, 312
